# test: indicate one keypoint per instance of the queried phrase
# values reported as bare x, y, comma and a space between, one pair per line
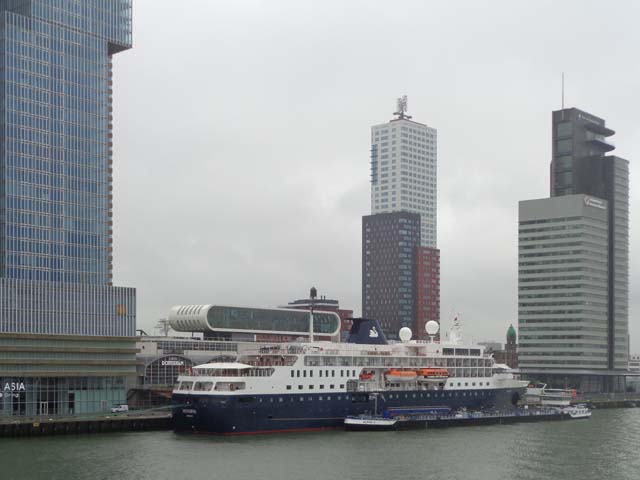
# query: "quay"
38, 426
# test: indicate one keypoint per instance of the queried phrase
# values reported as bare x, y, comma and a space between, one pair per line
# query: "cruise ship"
315, 385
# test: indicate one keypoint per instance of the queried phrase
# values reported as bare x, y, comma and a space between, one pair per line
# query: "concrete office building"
67, 335
573, 262
580, 164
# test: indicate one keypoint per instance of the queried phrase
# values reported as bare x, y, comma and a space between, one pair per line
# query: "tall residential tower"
401, 283
69, 331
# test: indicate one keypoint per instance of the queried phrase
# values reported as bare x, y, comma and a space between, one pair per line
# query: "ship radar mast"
455, 334
401, 107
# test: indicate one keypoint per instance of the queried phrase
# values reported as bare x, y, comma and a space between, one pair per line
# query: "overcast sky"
242, 135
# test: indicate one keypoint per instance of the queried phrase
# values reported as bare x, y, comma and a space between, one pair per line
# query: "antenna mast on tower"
401, 107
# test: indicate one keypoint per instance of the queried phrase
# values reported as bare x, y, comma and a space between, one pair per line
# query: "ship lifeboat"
426, 374
394, 375
365, 376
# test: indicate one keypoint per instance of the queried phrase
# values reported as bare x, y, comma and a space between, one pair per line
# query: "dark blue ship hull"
246, 414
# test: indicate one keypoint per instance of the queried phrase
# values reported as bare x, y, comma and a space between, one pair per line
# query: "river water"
607, 446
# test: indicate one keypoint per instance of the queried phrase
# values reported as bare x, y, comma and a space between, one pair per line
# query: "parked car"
120, 408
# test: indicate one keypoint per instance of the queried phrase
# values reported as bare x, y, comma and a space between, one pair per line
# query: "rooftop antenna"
562, 90
401, 107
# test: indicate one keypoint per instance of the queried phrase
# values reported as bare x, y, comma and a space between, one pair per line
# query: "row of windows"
343, 373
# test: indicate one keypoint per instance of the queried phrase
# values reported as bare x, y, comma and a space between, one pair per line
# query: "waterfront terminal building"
225, 332
67, 335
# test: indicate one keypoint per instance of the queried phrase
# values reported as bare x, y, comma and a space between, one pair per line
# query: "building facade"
404, 162
562, 290
389, 245
580, 165
56, 224
427, 300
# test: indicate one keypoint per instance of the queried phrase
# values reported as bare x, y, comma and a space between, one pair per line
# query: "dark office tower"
75, 330
580, 165
389, 242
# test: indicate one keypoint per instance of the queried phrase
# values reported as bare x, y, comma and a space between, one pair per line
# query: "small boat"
396, 375
577, 411
368, 422
549, 397
364, 376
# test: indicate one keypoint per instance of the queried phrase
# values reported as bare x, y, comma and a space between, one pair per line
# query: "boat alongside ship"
317, 385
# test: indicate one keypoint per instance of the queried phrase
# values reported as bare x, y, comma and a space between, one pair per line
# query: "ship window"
459, 383
299, 387
280, 399
456, 394
332, 386
288, 387
310, 387
333, 373
320, 373
451, 384
473, 384
302, 399
328, 397
353, 373
311, 373
347, 373
320, 398
321, 387
342, 385
428, 395
464, 394
186, 385
466, 384
291, 373
339, 397
304, 373
309, 398
297, 373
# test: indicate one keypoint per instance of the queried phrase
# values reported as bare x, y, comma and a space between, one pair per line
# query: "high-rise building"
580, 165
404, 171
69, 331
403, 179
389, 245
574, 262
562, 287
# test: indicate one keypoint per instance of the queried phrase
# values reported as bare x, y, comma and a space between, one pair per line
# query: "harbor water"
603, 447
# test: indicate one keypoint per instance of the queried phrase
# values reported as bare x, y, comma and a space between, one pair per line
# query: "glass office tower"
56, 198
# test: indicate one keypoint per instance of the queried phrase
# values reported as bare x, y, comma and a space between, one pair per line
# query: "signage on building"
594, 202
172, 363
14, 387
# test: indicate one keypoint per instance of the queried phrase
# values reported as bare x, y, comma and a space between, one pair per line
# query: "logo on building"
172, 363
594, 202
14, 387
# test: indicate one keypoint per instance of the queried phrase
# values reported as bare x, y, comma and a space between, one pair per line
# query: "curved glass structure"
271, 320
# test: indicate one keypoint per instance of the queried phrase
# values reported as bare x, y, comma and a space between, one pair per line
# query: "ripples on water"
604, 447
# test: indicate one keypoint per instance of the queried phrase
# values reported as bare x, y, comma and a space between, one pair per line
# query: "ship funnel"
367, 332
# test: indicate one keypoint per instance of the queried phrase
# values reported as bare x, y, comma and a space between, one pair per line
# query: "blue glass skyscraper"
56, 172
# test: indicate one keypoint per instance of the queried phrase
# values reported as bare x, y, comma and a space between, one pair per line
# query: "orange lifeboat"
433, 374
397, 375
364, 376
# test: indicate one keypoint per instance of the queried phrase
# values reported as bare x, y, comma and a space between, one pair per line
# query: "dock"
129, 422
